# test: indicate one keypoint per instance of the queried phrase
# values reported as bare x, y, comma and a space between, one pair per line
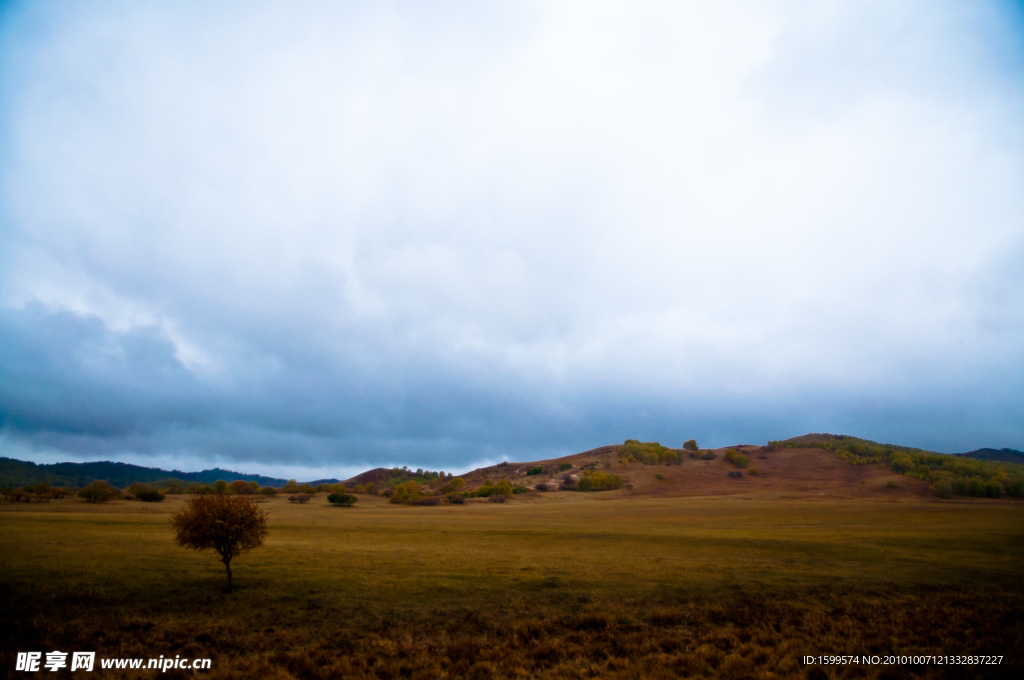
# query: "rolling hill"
820, 465
1008, 455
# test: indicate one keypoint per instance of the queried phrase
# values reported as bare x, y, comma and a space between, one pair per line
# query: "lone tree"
230, 525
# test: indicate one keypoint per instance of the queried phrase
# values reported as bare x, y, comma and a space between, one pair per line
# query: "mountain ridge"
14, 472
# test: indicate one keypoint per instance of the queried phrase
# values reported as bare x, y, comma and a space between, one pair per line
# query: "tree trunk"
227, 565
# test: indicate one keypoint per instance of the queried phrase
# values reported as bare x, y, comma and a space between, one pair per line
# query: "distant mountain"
1007, 455
21, 473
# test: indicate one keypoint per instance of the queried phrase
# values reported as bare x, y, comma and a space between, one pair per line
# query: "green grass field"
571, 585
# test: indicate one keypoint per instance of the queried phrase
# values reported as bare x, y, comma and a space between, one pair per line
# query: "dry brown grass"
565, 585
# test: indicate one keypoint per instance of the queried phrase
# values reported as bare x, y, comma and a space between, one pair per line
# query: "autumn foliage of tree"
230, 525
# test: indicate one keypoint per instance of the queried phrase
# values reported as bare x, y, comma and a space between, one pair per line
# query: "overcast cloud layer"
309, 239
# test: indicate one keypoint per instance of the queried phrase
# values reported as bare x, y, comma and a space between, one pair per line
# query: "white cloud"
527, 199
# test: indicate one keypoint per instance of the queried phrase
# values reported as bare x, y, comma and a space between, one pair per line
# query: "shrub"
650, 453
344, 500
690, 445
320, 488
307, 489
371, 489
135, 488
892, 484
944, 489
455, 484
753, 471
150, 496
585, 484
457, 499
99, 492
518, 488
659, 476
536, 470
708, 455
669, 457
497, 499
735, 473
299, 498
565, 466
976, 486
736, 458
541, 487
240, 487
358, 488
428, 500
220, 486
406, 492
268, 491
604, 481
387, 493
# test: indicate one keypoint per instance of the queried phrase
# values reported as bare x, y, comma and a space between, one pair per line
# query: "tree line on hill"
20, 473
947, 474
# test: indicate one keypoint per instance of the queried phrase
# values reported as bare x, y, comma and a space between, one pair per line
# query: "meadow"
548, 586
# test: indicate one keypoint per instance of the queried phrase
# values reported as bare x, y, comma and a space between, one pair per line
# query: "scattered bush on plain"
99, 492
343, 500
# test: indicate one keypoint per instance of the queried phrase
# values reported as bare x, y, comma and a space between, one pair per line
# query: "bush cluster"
406, 492
598, 481
344, 500
736, 458
99, 492
650, 453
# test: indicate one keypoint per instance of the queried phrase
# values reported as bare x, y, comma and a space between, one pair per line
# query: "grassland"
560, 585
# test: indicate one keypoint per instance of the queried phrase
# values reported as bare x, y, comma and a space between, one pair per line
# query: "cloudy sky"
307, 238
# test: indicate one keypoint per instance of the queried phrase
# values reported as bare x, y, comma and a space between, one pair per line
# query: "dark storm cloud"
325, 238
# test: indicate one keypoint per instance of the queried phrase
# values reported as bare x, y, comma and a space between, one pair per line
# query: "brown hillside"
786, 472
376, 475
